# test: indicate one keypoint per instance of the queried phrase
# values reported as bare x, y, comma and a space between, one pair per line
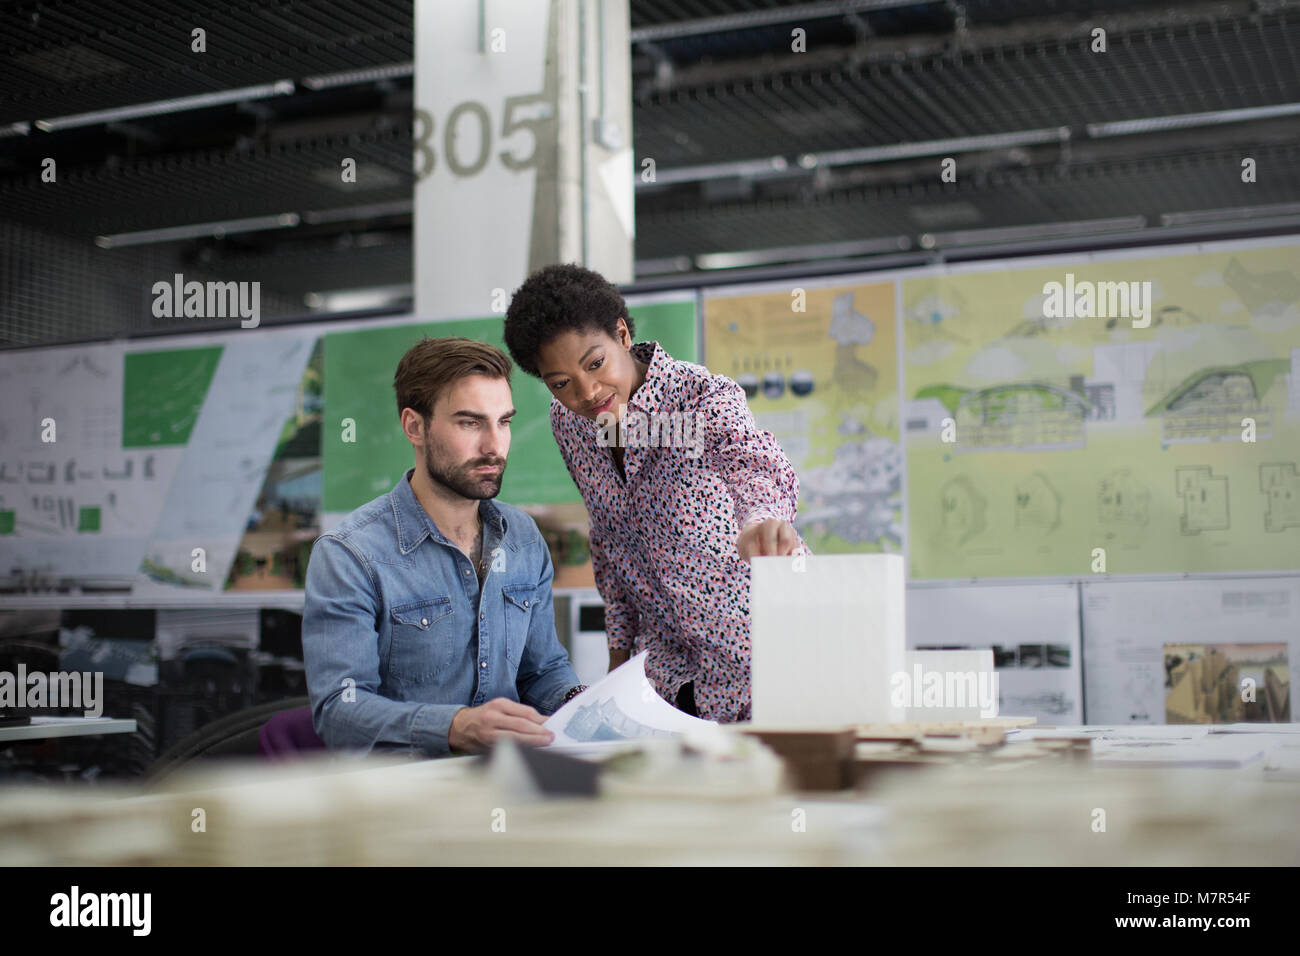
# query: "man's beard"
461, 479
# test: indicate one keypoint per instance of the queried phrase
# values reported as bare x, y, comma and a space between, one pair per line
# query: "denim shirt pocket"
421, 640
519, 613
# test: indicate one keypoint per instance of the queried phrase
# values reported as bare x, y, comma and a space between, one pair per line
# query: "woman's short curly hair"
557, 299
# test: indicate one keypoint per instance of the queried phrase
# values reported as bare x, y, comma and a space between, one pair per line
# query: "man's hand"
772, 536
477, 728
619, 657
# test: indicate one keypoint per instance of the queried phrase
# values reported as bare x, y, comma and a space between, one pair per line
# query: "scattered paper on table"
1224, 752
1260, 728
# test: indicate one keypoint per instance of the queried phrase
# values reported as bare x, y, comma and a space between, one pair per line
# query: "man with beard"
428, 625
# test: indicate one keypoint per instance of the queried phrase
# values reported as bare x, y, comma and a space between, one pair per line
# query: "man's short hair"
431, 365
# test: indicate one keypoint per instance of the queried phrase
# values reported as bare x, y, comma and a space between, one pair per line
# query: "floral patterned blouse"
663, 541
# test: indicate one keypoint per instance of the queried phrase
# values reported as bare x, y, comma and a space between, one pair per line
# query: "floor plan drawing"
1204, 500
1280, 482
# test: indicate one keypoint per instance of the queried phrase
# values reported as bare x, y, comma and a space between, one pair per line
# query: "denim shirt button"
525, 604
424, 622
482, 663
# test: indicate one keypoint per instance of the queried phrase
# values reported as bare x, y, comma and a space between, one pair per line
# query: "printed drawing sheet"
1032, 629
1186, 652
620, 707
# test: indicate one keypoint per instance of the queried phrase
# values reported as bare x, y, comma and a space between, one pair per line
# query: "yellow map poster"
1126, 415
819, 365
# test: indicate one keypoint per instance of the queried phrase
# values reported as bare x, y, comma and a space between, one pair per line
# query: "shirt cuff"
430, 727
759, 515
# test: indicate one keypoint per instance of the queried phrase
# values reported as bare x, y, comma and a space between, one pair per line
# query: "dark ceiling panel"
1030, 197
791, 108
218, 185
77, 56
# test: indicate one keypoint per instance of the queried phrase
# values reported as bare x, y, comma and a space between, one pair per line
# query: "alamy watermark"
75, 908
1099, 300
657, 430
946, 689
208, 300
74, 690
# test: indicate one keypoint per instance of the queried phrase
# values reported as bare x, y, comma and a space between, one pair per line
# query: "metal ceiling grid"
54, 288
295, 268
664, 20
1006, 11
62, 57
1004, 198
789, 109
760, 41
216, 185
646, 13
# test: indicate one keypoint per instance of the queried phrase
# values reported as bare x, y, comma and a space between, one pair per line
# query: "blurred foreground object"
720, 798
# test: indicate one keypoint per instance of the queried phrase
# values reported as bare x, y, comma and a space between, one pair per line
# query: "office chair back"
288, 734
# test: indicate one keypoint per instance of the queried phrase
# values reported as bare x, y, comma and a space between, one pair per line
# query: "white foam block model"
948, 685
827, 634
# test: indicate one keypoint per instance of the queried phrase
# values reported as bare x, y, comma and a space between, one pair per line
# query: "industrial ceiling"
767, 159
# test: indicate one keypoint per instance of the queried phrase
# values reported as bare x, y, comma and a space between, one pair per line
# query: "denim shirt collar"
414, 524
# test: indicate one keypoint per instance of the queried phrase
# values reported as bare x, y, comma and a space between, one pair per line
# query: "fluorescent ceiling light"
15, 129
940, 147
357, 300
200, 230
664, 266
159, 107
753, 168
760, 18
350, 77
1158, 124
372, 211
1042, 231
779, 165
820, 250
1229, 215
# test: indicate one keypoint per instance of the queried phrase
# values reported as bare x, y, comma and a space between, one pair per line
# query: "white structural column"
523, 146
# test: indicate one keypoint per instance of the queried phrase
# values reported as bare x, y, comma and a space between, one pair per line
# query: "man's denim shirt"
395, 608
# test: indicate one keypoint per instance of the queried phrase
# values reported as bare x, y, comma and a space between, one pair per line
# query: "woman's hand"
772, 536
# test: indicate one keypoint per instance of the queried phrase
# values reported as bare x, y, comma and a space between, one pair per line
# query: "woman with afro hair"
681, 486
